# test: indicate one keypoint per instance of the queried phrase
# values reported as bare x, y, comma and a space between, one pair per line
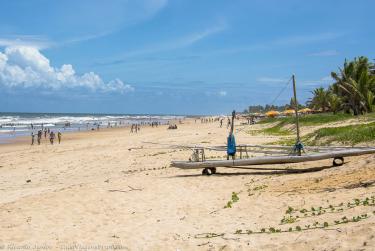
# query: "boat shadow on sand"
260, 171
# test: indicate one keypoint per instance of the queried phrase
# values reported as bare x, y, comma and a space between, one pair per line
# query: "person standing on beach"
51, 137
39, 136
32, 138
45, 132
59, 136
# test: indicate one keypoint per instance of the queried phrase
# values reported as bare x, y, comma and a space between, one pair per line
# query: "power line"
281, 91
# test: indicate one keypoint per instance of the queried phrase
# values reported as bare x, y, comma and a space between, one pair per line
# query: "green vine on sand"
273, 230
315, 225
234, 199
316, 211
290, 218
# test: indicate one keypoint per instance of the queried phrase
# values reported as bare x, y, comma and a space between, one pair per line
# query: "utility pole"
298, 143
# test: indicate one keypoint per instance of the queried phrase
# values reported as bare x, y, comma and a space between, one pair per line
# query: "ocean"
14, 124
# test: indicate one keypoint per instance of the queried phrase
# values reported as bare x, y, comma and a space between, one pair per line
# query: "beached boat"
336, 155
293, 154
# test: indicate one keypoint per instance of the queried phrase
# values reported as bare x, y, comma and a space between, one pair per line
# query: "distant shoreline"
109, 114
14, 125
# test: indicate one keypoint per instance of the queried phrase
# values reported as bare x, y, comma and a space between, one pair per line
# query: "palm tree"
353, 84
370, 101
320, 100
335, 103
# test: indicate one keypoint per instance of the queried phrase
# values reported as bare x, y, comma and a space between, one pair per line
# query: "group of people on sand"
155, 124
135, 128
208, 120
46, 131
172, 126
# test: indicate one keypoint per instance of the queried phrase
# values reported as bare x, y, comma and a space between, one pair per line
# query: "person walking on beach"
39, 136
51, 137
32, 138
59, 136
45, 132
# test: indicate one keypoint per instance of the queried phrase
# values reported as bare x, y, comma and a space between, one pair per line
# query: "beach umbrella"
305, 110
272, 114
288, 112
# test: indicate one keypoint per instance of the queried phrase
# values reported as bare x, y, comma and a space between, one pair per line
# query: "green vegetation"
260, 188
352, 134
352, 92
309, 120
234, 199
276, 130
355, 86
273, 230
293, 215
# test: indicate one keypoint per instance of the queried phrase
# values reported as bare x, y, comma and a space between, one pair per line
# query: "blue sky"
173, 56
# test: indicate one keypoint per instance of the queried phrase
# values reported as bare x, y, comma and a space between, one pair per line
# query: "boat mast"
298, 148
232, 125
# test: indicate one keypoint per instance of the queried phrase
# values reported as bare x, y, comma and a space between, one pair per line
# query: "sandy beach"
107, 189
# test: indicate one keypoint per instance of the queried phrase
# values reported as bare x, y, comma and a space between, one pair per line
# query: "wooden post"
296, 111
232, 125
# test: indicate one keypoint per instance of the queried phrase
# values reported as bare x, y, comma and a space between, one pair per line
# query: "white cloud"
327, 53
222, 93
117, 84
102, 20
298, 40
272, 80
34, 41
325, 81
178, 43
307, 39
196, 37
25, 66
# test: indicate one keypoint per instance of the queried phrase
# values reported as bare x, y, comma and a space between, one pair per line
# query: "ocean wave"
60, 120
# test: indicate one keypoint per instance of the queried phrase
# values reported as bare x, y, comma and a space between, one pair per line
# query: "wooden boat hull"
264, 160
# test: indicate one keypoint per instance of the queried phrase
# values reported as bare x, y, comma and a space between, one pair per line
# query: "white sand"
91, 190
